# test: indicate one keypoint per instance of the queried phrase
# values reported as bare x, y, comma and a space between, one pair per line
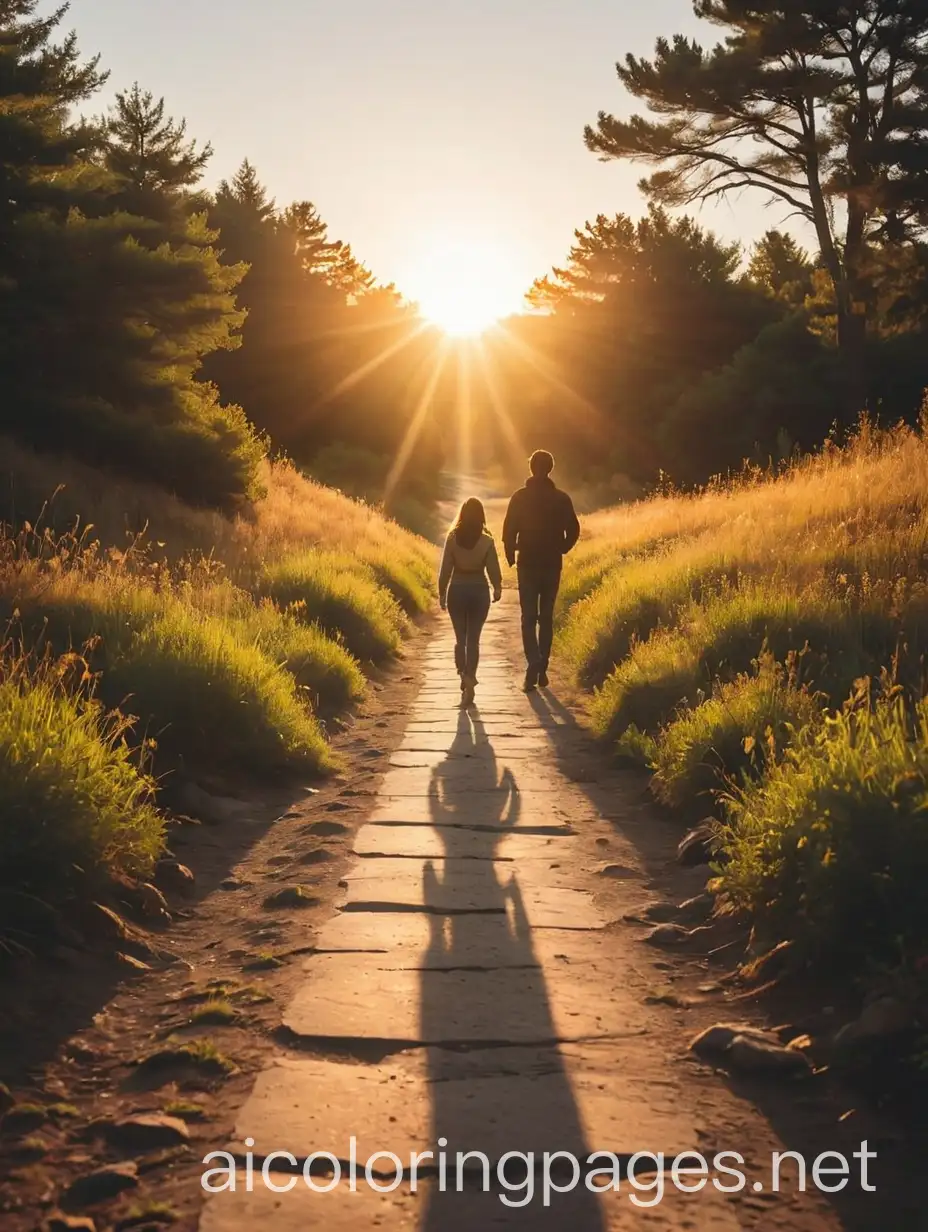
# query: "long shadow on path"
509, 1091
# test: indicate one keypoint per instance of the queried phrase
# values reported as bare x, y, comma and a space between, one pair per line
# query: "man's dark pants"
538, 587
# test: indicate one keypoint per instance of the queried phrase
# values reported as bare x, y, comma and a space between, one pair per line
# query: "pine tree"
781, 267
245, 196
617, 257
330, 260
819, 105
148, 152
40, 81
640, 311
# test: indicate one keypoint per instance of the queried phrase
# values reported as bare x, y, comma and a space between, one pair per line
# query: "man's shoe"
531, 680
543, 677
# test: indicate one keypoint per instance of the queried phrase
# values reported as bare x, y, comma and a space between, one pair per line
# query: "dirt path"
480, 991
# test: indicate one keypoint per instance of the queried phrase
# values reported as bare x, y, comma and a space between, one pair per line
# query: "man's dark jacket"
540, 525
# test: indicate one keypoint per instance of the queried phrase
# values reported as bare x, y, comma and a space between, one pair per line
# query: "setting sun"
464, 287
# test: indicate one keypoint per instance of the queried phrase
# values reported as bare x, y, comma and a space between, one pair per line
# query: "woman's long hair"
470, 523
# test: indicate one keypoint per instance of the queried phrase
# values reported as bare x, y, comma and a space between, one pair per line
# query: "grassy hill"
146, 639
760, 647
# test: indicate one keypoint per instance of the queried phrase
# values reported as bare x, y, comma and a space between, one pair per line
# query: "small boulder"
667, 935
696, 846
102, 1184
659, 913
318, 856
58, 1221
750, 1055
215, 810
133, 963
175, 877
290, 896
618, 871
697, 909
153, 902
23, 1119
107, 924
326, 829
887, 1016
146, 1132
717, 1039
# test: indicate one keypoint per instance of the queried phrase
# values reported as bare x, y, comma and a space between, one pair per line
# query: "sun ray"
372, 365
514, 443
544, 370
404, 453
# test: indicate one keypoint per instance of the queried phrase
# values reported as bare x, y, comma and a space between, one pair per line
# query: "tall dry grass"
724, 636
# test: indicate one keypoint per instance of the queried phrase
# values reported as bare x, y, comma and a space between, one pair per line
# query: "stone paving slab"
464, 773
449, 758
427, 842
500, 746
499, 810
346, 998
546, 906
528, 1099
485, 879
400, 939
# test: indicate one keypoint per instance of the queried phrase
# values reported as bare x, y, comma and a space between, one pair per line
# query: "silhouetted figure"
540, 528
469, 559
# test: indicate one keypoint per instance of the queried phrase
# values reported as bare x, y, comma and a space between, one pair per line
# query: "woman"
468, 560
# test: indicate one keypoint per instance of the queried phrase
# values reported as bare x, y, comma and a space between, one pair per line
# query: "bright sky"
424, 130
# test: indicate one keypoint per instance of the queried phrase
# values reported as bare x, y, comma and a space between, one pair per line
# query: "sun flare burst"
464, 286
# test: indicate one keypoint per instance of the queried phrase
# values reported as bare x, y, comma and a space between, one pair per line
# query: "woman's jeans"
468, 606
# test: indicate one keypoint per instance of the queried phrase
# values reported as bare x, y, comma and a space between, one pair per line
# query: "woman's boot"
468, 681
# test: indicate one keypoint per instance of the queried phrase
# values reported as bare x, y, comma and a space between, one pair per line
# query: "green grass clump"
408, 578
629, 604
213, 701
719, 639
216, 1011
198, 688
332, 590
742, 729
659, 675
329, 674
585, 570
830, 849
76, 807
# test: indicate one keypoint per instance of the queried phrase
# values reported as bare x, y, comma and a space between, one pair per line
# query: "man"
540, 528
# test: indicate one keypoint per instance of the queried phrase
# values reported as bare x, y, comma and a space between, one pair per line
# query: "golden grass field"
739, 640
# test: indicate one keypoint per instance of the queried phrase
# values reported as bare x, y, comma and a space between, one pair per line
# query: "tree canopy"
822, 106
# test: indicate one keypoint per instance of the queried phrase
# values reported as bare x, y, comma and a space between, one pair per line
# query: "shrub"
744, 727
75, 803
830, 849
